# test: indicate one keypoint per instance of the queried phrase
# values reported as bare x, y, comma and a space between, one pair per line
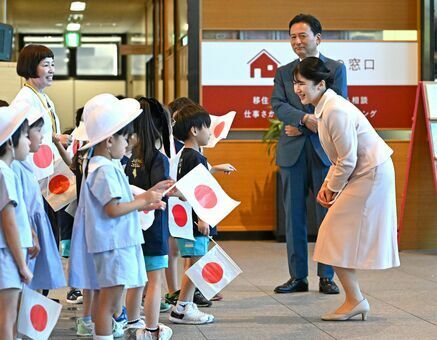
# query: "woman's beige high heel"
362, 308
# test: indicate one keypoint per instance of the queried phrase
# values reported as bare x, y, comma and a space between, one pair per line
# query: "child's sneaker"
165, 307
131, 329
190, 315
217, 297
172, 298
84, 328
122, 318
74, 296
117, 329
165, 333
200, 300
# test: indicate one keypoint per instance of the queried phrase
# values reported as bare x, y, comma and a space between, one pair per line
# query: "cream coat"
347, 137
359, 230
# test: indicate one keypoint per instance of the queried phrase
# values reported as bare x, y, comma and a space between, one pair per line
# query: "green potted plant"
271, 136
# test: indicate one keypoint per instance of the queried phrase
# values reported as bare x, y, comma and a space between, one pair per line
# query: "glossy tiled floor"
403, 302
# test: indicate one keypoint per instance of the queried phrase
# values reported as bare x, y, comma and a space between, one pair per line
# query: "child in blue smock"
47, 266
15, 231
112, 229
147, 167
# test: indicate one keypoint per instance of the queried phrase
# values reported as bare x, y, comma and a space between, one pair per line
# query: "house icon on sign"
263, 65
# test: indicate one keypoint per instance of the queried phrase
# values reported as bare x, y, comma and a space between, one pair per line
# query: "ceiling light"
73, 26
77, 6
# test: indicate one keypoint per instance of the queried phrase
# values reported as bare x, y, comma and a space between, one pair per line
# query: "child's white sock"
103, 337
180, 305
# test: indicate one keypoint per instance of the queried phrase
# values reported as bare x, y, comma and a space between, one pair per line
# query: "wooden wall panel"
254, 182
334, 15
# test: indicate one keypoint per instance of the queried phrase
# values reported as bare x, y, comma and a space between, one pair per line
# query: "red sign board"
386, 107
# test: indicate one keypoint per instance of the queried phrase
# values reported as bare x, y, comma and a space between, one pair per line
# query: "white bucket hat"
32, 114
79, 133
104, 115
11, 118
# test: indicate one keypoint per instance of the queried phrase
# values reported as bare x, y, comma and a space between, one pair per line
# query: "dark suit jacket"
288, 108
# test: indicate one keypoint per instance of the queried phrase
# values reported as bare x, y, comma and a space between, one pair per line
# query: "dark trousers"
308, 173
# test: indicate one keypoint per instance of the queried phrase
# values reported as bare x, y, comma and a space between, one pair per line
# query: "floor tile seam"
272, 296
400, 269
199, 328
400, 309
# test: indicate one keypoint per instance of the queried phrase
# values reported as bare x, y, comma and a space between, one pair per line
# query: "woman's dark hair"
313, 22
24, 127
29, 58
3, 103
38, 123
147, 134
179, 103
78, 118
313, 68
190, 116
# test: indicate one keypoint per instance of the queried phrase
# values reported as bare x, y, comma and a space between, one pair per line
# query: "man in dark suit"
302, 161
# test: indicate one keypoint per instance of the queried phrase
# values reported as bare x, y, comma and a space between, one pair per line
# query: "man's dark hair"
29, 59
187, 117
313, 22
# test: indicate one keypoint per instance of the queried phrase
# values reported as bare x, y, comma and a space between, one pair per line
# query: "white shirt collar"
317, 55
98, 161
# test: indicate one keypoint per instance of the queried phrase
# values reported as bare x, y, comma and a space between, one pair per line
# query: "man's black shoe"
328, 286
293, 286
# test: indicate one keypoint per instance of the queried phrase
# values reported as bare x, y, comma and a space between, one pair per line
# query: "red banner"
386, 107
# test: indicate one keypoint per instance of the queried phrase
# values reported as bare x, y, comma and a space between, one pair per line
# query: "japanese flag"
180, 218
60, 188
220, 126
213, 272
42, 160
146, 216
38, 315
205, 195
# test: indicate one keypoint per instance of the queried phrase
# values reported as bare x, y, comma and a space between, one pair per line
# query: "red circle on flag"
205, 196
38, 317
179, 215
218, 129
59, 184
146, 211
212, 272
43, 157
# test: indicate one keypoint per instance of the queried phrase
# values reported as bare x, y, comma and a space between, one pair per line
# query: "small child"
47, 266
15, 230
112, 228
147, 167
192, 127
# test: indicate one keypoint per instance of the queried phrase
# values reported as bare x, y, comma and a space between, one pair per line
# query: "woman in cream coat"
360, 228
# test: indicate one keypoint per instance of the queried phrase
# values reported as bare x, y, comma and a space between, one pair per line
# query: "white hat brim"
9, 131
128, 118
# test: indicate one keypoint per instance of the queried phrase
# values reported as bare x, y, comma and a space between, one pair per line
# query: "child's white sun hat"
104, 115
11, 118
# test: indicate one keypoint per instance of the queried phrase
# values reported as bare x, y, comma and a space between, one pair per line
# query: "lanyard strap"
46, 105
